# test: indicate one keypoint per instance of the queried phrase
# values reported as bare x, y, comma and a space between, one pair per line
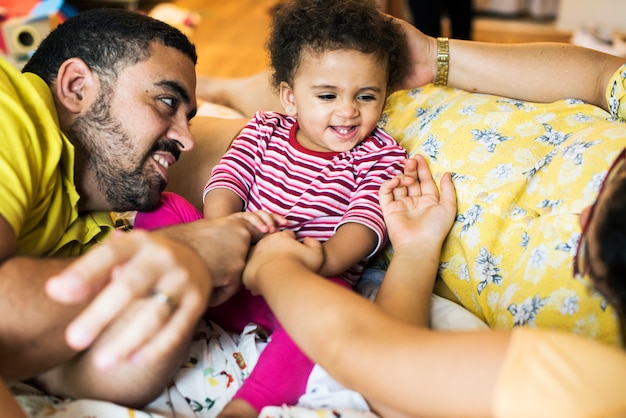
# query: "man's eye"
170, 101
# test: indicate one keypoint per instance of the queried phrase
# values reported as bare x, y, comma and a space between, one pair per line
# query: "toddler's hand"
265, 222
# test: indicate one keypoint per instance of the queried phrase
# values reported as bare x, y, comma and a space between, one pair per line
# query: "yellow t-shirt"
551, 374
523, 173
38, 197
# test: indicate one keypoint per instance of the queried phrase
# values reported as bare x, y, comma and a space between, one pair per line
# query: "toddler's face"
338, 97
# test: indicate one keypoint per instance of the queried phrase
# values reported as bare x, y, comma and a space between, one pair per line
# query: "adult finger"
174, 333
255, 219
132, 280
401, 190
88, 274
410, 166
268, 220
448, 192
385, 192
152, 326
133, 330
427, 184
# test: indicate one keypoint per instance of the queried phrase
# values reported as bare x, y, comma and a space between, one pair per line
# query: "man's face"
136, 129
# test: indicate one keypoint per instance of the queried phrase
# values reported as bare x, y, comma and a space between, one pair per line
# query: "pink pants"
282, 371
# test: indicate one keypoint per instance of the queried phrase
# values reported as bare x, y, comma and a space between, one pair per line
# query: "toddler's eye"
326, 96
367, 98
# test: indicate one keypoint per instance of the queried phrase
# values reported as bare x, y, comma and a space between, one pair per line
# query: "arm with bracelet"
443, 61
538, 71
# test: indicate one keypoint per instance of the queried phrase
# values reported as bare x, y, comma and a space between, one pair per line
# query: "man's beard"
122, 174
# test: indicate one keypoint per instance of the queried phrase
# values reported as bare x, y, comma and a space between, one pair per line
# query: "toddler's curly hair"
319, 26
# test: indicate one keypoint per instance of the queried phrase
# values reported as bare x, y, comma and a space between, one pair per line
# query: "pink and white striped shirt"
315, 191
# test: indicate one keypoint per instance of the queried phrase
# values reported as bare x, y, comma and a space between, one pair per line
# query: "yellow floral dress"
523, 172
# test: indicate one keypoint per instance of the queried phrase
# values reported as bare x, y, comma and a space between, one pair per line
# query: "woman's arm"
538, 71
541, 72
396, 366
418, 220
416, 371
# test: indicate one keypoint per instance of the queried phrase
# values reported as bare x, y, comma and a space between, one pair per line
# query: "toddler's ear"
287, 99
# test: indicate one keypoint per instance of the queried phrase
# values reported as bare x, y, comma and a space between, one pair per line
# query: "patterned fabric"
217, 365
523, 172
316, 191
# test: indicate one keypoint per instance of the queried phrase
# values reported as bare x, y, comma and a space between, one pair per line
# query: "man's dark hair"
611, 238
107, 40
329, 25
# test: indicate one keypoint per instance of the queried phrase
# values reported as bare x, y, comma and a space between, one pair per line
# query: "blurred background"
230, 35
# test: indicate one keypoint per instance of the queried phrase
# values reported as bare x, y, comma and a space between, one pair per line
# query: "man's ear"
75, 85
287, 99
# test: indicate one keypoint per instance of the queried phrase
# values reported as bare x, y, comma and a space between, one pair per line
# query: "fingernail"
137, 359
65, 287
78, 337
105, 359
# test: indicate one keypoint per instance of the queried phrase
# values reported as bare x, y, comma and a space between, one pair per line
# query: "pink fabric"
282, 371
174, 210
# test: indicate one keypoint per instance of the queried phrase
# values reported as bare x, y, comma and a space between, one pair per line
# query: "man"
92, 126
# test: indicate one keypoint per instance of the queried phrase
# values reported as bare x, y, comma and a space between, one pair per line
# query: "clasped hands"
145, 291
151, 288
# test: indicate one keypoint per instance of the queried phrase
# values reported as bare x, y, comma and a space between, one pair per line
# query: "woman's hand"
414, 210
423, 53
278, 248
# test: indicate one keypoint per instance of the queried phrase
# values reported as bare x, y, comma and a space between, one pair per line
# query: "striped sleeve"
378, 159
236, 170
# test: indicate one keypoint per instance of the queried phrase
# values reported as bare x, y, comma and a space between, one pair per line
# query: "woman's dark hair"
107, 40
329, 25
610, 222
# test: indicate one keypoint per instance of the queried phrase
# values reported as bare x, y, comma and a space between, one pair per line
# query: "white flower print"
487, 270
488, 137
526, 312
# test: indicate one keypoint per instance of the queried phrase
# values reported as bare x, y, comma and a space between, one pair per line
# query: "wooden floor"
491, 29
231, 37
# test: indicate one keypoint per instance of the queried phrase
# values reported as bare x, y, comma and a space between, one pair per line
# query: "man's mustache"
166, 146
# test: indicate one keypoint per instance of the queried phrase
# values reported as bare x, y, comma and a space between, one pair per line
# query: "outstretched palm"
412, 205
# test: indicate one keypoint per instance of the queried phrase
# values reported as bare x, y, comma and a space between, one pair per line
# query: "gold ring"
164, 299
